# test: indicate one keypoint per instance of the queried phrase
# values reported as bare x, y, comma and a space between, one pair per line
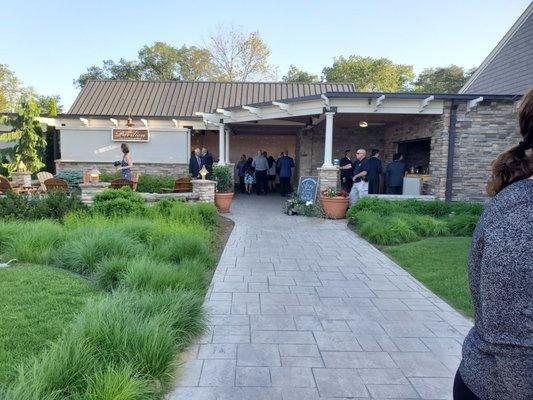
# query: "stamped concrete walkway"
302, 308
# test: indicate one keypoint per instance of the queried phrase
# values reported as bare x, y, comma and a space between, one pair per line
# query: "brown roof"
183, 99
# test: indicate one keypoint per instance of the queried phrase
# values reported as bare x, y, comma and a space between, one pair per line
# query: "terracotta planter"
335, 207
223, 201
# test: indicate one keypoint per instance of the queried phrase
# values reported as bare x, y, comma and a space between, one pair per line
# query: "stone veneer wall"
175, 170
481, 135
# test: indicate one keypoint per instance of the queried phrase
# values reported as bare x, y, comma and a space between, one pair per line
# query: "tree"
370, 74
25, 155
237, 56
159, 61
295, 74
442, 79
10, 89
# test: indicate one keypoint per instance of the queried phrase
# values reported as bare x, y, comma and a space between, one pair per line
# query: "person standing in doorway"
240, 172
374, 172
286, 165
249, 175
497, 358
207, 160
346, 167
360, 179
394, 174
195, 164
261, 170
271, 174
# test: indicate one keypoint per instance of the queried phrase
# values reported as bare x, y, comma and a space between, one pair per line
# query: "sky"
50, 43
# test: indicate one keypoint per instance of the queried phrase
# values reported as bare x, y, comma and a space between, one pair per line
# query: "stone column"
221, 146
89, 190
227, 158
204, 189
328, 177
328, 143
188, 143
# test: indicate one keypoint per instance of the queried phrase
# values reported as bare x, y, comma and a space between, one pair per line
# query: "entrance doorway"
416, 154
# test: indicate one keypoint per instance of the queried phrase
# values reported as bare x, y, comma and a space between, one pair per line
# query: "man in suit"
286, 166
374, 171
346, 167
207, 160
394, 174
195, 164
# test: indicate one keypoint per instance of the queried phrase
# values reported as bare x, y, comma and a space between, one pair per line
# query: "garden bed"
154, 264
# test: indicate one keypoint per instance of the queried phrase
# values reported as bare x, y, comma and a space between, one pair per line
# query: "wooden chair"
56, 184
135, 179
5, 186
118, 183
181, 185
43, 176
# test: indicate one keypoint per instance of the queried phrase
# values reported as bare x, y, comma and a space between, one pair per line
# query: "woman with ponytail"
497, 359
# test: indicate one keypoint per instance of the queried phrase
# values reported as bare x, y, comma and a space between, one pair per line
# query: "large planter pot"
223, 201
335, 207
19, 179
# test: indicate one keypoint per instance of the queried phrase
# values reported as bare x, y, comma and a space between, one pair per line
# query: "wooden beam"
226, 113
424, 103
283, 106
114, 121
325, 99
253, 110
379, 100
84, 121
145, 122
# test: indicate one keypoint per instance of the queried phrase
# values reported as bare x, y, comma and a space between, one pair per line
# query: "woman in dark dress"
497, 361
126, 163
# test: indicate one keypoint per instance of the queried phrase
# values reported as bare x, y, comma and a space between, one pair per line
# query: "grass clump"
389, 231
34, 242
462, 225
117, 383
118, 203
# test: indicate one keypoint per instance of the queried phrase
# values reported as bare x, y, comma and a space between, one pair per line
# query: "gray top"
260, 163
498, 351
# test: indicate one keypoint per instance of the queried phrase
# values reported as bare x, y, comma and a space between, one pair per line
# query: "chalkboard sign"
307, 187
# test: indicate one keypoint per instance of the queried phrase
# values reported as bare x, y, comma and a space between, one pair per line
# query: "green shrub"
124, 339
8, 231
15, 206
462, 225
110, 271
163, 207
147, 274
35, 242
56, 204
425, 225
139, 229
154, 183
73, 177
435, 208
175, 247
222, 175
119, 384
87, 246
389, 231
183, 309
109, 176
208, 214
379, 206
119, 202
460, 207
359, 218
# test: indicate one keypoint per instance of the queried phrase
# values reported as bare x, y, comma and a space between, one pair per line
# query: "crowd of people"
362, 175
263, 171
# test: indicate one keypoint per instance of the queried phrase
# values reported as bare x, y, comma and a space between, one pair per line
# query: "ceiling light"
363, 124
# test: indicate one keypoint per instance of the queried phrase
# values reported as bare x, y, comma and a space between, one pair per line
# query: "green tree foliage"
10, 89
26, 154
370, 74
295, 74
442, 79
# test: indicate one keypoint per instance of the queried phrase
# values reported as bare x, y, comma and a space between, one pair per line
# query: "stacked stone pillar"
328, 177
204, 189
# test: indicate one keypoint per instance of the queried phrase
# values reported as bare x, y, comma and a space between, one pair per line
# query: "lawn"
151, 266
36, 303
441, 264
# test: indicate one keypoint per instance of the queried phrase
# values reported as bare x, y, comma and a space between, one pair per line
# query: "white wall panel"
95, 145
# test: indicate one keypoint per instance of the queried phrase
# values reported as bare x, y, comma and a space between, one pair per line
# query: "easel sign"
307, 188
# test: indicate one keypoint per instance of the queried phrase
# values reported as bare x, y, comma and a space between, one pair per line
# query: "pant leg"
284, 183
373, 186
460, 390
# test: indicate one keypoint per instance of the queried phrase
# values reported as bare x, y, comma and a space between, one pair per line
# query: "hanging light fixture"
363, 124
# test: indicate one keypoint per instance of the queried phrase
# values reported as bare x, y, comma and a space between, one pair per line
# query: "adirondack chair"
5, 186
43, 176
121, 182
181, 185
56, 184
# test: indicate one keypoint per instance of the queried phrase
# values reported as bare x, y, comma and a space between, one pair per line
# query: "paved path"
302, 308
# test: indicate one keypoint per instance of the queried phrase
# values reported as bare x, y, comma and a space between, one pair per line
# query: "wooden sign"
307, 188
130, 135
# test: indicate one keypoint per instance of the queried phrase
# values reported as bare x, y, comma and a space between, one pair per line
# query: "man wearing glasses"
360, 179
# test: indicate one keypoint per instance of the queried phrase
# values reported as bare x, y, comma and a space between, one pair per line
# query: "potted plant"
335, 203
223, 193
